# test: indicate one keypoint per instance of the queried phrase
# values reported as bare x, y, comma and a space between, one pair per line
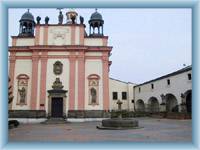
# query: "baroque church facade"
61, 70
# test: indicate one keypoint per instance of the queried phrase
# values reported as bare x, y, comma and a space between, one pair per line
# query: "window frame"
114, 96
125, 95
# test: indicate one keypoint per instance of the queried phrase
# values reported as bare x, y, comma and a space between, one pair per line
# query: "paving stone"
155, 130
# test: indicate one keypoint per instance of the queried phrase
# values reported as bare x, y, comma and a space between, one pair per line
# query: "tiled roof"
168, 75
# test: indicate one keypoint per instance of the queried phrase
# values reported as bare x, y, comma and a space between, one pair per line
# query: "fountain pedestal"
119, 123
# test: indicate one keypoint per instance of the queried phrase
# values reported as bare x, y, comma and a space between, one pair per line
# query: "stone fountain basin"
119, 123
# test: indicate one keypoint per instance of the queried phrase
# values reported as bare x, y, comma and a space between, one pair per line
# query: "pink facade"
81, 55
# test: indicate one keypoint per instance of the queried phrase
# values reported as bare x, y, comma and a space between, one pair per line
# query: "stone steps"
55, 121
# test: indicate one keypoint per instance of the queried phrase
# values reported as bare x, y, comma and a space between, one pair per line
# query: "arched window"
93, 81
22, 86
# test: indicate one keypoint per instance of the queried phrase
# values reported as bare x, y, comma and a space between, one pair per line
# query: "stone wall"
88, 114
27, 114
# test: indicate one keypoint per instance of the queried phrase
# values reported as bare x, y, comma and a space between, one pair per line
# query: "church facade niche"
93, 81
22, 89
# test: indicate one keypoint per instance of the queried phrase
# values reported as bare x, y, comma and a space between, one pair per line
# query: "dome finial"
28, 9
95, 9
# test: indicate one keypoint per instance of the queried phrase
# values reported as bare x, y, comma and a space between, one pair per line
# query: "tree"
10, 95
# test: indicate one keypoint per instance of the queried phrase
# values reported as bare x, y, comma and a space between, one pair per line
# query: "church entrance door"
57, 107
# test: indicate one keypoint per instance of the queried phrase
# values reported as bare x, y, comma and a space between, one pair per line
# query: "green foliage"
10, 96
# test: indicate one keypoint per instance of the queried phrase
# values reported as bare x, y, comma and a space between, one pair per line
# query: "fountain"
119, 123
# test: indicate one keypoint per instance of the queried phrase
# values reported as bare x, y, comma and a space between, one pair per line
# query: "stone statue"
94, 95
162, 96
46, 20
57, 85
183, 98
73, 18
60, 18
182, 95
119, 103
38, 19
22, 94
81, 20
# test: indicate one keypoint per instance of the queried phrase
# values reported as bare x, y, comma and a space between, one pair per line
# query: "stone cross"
119, 103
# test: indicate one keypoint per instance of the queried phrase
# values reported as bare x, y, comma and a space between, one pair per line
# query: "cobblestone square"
153, 130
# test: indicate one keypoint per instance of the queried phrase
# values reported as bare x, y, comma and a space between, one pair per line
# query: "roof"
121, 81
118, 80
96, 16
188, 68
27, 16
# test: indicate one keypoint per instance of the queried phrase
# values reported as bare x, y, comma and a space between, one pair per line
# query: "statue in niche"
57, 68
93, 95
22, 94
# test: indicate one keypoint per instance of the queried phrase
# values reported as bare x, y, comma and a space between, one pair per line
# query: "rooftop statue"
81, 20
46, 20
38, 19
60, 17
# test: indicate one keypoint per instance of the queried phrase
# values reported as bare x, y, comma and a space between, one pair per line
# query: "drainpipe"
128, 96
134, 98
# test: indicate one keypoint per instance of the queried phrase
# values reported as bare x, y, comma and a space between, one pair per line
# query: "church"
60, 70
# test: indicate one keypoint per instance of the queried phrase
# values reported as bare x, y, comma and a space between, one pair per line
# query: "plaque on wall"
57, 68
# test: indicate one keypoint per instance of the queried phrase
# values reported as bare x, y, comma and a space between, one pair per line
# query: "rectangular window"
139, 89
152, 86
189, 76
168, 81
124, 95
115, 95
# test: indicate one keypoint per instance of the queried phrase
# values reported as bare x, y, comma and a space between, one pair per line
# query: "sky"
147, 43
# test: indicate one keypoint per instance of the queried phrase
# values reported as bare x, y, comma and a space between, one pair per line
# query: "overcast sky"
147, 43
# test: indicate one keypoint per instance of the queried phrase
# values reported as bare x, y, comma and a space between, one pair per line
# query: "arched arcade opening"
188, 98
140, 107
153, 104
171, 103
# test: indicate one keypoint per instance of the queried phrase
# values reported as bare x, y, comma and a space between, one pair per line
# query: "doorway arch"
140, 105
188, 98
153, 104
171, 103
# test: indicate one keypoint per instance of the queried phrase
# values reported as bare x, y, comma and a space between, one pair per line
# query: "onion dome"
96, 16
96, 21
27, 25
27, 16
